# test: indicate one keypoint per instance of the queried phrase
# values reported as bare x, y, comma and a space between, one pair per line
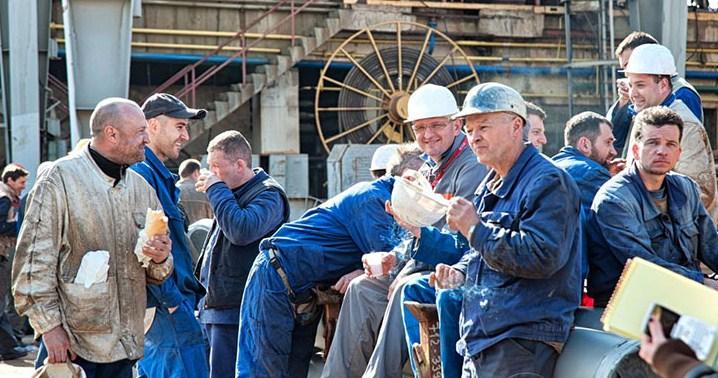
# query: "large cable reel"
368, 105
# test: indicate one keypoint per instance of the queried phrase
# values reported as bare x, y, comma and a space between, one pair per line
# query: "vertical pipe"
293, 22
569, 53
4, 105
70, 62
603, 70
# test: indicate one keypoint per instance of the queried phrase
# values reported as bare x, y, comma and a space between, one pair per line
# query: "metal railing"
189, 76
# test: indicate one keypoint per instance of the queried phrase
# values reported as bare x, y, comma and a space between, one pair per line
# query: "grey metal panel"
97, 43
347, 165
292, 171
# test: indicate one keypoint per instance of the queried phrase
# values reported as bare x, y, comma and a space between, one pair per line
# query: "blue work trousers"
512, 358
222, 349
174, 346
448, 304
270, 345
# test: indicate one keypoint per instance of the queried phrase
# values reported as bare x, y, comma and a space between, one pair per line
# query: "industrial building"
302, 78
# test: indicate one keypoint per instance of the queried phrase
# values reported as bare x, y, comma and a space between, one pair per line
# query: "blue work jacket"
589, 176
182, 285
625, 223
523, 269
328, 241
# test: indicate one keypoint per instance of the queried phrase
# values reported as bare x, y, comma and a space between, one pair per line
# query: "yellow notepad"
642, 284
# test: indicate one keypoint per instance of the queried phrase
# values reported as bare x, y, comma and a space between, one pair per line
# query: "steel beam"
667, 20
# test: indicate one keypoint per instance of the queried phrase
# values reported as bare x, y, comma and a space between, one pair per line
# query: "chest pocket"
509, 222
504, 219
689, 241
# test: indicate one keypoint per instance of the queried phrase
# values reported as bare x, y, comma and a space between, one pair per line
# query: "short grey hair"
109, 111
233, 144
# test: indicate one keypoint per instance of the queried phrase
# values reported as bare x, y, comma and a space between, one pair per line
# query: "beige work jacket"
73, 209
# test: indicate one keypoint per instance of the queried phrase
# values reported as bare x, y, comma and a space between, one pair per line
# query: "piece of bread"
155, 223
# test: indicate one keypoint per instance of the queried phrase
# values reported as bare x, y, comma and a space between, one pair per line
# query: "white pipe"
69, 32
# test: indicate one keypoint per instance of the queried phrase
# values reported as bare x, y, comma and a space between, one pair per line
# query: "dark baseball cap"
166, 104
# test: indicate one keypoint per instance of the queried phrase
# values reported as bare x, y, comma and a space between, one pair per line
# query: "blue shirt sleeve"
242, 226
692, 101
6, 228
439, 247
627, 238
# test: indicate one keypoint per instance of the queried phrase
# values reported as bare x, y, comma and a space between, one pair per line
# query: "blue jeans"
222, 350
117, 369
269, 343
448, 304
174, 346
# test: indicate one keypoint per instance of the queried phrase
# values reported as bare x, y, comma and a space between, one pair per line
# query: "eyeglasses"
434, 127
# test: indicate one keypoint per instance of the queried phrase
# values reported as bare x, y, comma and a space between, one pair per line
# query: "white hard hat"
416, 203
492, 98
651, 59
430, 101
382, 156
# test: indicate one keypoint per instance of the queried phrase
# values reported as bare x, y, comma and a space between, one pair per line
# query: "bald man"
89, 201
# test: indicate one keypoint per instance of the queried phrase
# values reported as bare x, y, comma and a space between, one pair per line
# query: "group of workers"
505, 267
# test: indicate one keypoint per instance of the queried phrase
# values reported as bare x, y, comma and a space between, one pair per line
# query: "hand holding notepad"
644, 285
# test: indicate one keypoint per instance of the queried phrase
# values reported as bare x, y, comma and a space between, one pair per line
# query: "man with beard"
650, 212
89, 202
588, 157
174, 346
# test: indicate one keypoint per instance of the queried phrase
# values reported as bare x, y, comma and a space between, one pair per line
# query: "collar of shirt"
158, 166
677, 199
108, 167
667, 103
573, 152
508, 182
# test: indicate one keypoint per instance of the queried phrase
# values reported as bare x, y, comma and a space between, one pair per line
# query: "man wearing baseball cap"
174, 346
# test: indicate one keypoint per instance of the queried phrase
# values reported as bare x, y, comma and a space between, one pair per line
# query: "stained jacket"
696, 159
74, 209
625, 222
523, 272
195, 204
589, 176
9, 202
182, 285
621, 117
329, 240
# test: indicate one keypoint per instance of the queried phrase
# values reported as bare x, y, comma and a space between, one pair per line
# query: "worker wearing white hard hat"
372, 307
649, 72
618, 113
381, 159
518, 240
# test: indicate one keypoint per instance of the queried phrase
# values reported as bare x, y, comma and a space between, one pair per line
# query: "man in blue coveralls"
322, 246
174, 346
521, 277
249, 206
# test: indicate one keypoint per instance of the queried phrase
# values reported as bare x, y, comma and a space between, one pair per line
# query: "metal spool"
368, 105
